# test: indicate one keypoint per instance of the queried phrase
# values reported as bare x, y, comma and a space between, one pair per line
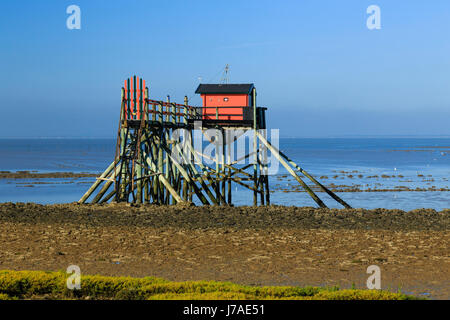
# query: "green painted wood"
160, 153
122, 185
102, 191
206, 177
190, 180
163, 180
97, 182
138, 167
255, 149
145, 146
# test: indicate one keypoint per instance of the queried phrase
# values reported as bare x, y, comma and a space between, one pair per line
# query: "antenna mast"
224, 78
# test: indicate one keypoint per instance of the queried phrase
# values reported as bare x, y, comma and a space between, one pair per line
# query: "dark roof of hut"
225, 88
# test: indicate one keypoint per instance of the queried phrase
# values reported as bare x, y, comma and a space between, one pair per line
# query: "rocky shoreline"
241, 217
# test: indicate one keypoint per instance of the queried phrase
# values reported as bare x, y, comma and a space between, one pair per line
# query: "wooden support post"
325, 189
163, 180
186, 111
97, 182
261, 185
224, 146
185, 190
236, 170
229, 187
165, 133
289, 169
107, 185
122, 121
201, 179
160, 153
244, 157
218, 152
154, 155
229, 146
174, 113
255, 148
146, 181
206, 176
190, 161
102, 191
186, 185
123, 164
266, 170
198, 177
263, 173
139, 150
145, 147
266, 177
108, 196
154, 112
175, 176
189, 180
245, 185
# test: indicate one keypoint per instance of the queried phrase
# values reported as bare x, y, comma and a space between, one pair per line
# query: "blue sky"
315, 64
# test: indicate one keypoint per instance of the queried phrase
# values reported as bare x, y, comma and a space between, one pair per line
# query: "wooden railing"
137, 106
161, 111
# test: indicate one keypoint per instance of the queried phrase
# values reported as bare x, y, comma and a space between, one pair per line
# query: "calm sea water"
376, 163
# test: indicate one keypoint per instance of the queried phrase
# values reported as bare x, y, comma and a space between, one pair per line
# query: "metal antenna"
224, 78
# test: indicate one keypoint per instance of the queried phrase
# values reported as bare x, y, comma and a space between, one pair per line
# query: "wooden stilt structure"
153, 165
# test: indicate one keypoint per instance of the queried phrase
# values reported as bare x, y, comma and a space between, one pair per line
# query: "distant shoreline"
281, 137
38, 175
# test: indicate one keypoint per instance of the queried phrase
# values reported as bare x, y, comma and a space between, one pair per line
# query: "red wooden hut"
226, 101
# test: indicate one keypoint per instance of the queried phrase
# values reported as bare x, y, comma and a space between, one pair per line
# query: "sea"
393, 173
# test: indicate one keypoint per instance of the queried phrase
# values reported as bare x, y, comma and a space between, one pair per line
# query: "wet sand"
259, 246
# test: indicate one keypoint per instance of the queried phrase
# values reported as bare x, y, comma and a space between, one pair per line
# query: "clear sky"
315, 64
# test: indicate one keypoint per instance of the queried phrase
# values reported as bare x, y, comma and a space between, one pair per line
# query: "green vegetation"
52, 285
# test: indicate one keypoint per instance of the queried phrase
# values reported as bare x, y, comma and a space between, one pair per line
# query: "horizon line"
369, 136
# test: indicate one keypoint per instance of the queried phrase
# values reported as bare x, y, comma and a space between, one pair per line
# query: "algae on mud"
52, 285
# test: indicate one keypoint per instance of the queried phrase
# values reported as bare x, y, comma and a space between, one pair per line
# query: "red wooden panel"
132, 98
225, 100
223, 113
143, 96
138, 99
134, 91
126, 97
213, 117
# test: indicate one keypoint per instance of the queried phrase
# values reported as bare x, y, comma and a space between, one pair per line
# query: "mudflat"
270, 245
